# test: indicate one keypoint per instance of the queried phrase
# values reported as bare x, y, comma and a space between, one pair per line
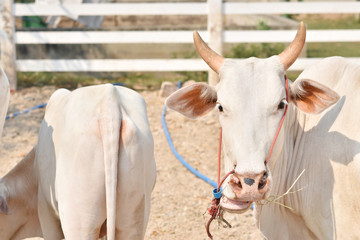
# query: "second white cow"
95, 164
93, 168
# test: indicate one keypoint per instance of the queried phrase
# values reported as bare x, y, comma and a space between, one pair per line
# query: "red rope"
215, 210
219, 161
281, 122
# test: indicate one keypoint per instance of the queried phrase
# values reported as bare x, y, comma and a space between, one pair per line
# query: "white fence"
204, 8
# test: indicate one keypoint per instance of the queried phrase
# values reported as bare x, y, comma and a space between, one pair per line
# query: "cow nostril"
249, 181
263, 181
235, 182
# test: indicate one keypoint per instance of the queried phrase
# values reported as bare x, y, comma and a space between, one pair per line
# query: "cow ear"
3, 206
312, 97
193, 101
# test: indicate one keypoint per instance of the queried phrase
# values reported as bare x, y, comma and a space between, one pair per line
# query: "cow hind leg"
81, 225
82, 218
50, 224
136, 180
132, 221
91, 235
81, 193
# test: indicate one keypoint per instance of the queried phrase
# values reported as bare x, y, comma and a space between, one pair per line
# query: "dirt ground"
179, 199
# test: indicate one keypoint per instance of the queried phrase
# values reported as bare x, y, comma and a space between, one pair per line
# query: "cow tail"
110, 130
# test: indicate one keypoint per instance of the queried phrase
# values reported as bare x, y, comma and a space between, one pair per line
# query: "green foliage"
260, 50
185, 76
65, 80
291, 16
33, 22
196, 76
137, 81
319, 22
24, 1
262, 25
188, 54
322, 50
292, 75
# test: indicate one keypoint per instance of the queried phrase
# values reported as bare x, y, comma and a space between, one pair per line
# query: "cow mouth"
234, 206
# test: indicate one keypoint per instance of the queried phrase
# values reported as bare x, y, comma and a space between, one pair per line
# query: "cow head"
251, 99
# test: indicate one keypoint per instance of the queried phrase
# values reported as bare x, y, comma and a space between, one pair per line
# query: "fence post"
215, 29
7, 43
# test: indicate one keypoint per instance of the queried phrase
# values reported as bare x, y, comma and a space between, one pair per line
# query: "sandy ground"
179, 199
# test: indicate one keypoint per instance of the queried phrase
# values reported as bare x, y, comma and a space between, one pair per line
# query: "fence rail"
174, 8
256, 36
192, 8
136, 65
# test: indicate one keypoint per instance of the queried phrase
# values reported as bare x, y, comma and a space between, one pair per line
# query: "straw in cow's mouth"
275, 199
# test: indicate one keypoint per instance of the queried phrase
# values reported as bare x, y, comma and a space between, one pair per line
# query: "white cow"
322, 139
18, 202
93, 170
4, 102
4, 98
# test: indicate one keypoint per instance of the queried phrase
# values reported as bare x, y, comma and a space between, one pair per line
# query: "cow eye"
282, 104
220, 107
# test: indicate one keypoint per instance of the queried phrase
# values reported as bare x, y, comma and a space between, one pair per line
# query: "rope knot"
214, 209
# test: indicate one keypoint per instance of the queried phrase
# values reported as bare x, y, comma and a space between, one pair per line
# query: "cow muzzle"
245, 189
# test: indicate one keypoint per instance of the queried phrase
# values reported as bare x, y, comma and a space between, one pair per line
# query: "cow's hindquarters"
98, 168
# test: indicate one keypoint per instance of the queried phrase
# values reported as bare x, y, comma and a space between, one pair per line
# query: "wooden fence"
215, 34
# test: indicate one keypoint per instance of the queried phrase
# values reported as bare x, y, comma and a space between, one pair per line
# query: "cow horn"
291, 53
213, 59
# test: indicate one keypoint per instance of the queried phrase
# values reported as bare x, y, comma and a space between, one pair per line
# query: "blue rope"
179, 157
11, 115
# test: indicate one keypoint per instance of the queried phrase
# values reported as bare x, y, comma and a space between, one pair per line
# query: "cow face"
251, 99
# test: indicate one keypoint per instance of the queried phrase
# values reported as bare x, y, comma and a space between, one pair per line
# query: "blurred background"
138, 27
